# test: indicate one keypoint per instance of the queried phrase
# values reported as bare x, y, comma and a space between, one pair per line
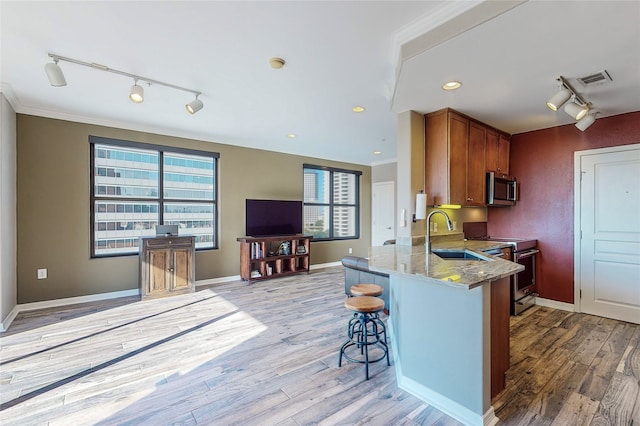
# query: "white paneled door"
382, 213
608, 233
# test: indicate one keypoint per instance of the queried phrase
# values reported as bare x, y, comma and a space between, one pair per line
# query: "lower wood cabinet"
167, 266
500, 333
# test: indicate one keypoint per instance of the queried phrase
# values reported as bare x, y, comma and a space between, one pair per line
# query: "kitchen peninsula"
444, 325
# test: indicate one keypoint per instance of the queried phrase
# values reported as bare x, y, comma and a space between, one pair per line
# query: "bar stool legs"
365, 330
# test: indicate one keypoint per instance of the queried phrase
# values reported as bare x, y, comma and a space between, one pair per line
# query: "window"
331, 203
136, 186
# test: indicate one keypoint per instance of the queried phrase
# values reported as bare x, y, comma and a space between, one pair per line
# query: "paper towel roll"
421, 206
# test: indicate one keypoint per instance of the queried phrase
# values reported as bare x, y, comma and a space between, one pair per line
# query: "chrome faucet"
428, 236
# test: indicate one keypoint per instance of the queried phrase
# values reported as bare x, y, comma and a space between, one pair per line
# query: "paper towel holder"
421, 207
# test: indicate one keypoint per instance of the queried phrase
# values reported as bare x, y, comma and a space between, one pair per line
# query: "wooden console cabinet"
261, 257
167, 266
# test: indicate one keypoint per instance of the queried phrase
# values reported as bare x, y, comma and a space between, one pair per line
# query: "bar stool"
370, 290
366, 290
365, 329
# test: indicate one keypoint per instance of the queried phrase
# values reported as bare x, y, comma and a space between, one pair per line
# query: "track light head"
54, 73
576, 111
559, 99
194, 106
586, 121
137, 93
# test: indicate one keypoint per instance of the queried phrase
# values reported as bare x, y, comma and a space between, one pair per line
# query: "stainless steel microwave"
501, 190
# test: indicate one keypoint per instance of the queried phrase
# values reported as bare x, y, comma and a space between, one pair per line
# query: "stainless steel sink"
458, 255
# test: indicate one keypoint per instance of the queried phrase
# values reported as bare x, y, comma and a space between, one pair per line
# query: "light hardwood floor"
266, 354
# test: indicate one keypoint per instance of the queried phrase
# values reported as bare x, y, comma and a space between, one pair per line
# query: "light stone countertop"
412, 261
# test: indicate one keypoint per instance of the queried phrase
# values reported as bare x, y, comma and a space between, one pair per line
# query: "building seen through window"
331, 203
136, 187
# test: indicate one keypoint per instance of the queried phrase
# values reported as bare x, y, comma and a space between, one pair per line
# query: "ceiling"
387, 56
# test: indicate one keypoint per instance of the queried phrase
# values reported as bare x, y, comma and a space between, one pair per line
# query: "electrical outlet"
350, 250
435, 227
42, 274
455, 225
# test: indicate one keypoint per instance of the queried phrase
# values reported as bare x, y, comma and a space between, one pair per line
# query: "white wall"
8, 219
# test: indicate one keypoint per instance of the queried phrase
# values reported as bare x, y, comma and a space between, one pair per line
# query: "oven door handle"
526, 254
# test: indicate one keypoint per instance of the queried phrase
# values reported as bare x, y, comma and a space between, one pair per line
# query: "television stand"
267, 257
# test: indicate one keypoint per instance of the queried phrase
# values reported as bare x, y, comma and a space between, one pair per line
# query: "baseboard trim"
563, 306
4, 326
446, 405
54, 303
324, 265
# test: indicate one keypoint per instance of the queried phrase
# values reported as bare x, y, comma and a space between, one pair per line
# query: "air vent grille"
601, 77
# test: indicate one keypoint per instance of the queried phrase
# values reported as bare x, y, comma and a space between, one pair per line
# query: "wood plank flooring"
266, 354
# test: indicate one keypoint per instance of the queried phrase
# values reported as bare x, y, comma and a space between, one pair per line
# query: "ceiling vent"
596, 79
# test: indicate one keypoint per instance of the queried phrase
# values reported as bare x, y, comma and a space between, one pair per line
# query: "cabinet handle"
170, 269
469, 199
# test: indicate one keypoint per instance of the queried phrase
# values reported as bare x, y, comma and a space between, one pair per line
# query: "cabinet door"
476, 166
458, 157
504, 146
158, 271
181, 268
491, 150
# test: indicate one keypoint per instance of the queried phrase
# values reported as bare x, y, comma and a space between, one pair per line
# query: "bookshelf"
273, 256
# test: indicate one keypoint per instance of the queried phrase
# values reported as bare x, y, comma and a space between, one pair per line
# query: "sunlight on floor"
65, 362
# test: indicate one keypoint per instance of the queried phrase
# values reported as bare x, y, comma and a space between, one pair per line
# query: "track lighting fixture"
558, 99
194, 106
576, 111
137, 93
586, 121
56, 78
578, 108
54, 73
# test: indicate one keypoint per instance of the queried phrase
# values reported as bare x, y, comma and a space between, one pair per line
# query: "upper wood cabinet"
497, 154
458, 152
476, 166
454, 159
446, 145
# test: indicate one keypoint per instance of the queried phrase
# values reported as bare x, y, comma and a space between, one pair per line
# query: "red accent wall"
542, 161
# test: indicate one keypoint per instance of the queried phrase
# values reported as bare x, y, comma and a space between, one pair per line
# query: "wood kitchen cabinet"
454, 159
500, 339
458, 153
476, 166
167, 266
497, 151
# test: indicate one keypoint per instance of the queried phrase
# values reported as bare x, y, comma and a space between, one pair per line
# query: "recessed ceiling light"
277, 63
377, 152
451, 85
357, 109
291, 135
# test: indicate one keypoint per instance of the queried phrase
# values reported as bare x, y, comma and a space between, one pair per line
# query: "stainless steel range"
523, 284
524, 252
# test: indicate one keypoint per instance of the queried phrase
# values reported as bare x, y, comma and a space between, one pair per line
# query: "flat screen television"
273, 217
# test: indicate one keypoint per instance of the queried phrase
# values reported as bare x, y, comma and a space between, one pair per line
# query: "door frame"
577, 213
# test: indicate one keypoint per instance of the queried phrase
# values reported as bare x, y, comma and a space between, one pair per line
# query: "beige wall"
8, 280
53, 208
387, 172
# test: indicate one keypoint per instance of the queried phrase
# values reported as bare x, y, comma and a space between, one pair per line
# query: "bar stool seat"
366, 290
365, 329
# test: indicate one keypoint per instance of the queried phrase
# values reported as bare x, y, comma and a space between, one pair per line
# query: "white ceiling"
388, 56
